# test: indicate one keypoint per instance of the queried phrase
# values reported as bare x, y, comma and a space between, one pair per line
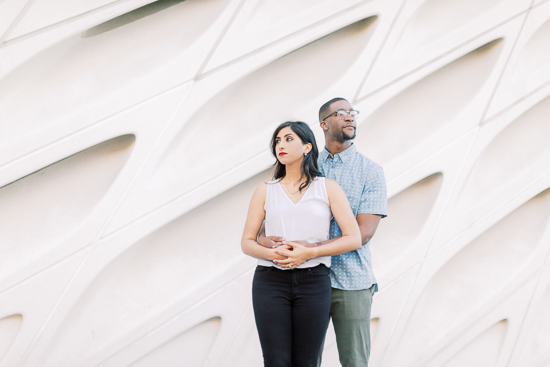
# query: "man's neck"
335, 147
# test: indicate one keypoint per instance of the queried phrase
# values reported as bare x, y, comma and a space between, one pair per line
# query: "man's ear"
324, 125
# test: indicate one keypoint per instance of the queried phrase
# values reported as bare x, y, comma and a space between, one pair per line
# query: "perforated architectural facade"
132, 135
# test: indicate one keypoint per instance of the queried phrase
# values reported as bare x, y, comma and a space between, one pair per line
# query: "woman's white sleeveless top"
307, 220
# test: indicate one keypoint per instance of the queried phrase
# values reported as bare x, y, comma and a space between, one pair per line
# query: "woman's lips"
281, 154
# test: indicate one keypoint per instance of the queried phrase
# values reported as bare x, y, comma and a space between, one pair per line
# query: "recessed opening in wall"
494, 259
520, 149
486, 48
130, 17
435, 101
484, 349
46, 208
397, 234
9, 328
539, 329
374, 327
536, 53
435, 19
354, 29
179, 168
119, 144
157, 272
190, 348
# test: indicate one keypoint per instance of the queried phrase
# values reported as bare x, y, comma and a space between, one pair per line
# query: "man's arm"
373, 199
268, 241
368, 223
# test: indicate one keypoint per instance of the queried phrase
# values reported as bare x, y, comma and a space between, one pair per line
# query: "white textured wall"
131, 142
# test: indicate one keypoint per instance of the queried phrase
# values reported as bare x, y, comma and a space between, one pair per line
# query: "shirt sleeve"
374, 198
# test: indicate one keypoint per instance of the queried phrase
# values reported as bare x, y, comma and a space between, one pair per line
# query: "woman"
292, 301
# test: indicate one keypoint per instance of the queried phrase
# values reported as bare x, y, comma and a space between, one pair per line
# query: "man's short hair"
326, 106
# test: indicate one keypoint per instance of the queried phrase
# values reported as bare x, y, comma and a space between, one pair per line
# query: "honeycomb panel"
396, 235
306, 64
534, 58
9, 328
428, 29
507, 248
9, 11
240, 354
260, 23
435, 101
103, 75
482, 351
176, 172
43, 13
49, 206
432, 19
33, 299
182, 349
535, 349
141, 282
524, 140
388, 307
133, 134
528, 65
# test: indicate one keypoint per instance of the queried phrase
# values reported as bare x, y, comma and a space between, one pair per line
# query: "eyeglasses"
342, 114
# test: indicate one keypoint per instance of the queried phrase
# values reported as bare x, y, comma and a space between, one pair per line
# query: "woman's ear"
308, 148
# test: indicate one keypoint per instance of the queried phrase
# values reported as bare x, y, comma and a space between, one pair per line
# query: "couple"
296, 289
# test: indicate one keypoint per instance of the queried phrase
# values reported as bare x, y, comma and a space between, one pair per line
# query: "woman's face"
288, 146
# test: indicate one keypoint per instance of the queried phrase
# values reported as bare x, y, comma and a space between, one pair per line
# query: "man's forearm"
368, 223
322, 243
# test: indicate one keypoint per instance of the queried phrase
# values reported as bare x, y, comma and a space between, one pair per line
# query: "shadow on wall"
130, 17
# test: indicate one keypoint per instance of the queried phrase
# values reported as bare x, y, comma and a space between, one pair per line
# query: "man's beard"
346, 136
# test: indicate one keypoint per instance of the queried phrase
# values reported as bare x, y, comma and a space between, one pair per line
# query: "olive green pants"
350, 314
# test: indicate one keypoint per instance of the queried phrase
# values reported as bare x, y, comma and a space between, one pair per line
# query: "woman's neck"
293, 173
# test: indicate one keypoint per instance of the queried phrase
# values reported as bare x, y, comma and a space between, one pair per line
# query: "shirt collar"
343, 156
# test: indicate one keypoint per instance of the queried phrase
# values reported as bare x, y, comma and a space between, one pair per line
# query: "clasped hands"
290, 254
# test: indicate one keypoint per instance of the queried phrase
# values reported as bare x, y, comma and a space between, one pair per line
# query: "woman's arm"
349, 241
254, 220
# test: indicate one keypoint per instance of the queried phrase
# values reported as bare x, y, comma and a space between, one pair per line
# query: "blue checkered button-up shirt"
363, 182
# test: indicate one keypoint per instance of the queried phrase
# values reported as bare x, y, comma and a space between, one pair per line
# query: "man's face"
338, 128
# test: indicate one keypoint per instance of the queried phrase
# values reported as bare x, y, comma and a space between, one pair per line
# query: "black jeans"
291, 308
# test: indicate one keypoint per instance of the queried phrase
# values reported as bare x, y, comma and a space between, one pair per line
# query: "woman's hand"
294, 253
276, 256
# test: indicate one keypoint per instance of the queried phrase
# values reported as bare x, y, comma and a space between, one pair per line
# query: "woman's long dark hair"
309, 167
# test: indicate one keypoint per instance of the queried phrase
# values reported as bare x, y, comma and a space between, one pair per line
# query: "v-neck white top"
307, 220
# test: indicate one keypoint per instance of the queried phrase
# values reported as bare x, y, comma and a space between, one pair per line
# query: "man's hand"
295, 254
270, 241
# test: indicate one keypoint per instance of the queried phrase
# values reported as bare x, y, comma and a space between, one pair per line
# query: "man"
352, 277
